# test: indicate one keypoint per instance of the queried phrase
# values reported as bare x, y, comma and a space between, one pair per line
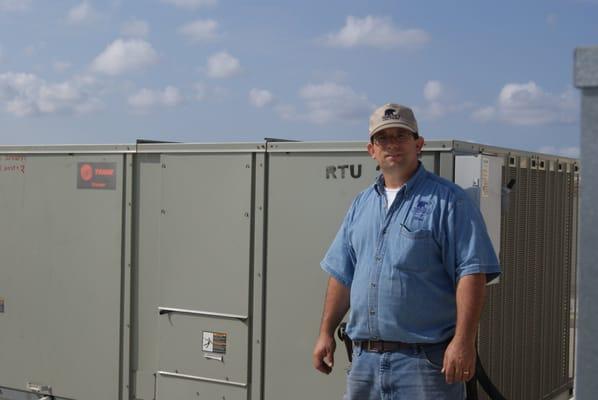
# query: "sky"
492, 72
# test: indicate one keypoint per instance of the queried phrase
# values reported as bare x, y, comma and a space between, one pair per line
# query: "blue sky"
221, 70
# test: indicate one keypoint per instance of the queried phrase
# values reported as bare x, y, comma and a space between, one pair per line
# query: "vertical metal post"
586, 79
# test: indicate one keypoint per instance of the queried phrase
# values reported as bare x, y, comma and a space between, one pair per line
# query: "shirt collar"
408, 186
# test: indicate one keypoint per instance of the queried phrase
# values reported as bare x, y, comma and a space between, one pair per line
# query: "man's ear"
371, 149
420, 143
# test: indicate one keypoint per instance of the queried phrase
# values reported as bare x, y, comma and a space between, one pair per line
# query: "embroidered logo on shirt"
421, 209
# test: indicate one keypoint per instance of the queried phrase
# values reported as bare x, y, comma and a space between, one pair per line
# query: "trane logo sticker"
96, 175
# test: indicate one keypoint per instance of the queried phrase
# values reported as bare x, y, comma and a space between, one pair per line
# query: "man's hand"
323, 356
335, 307
459, 361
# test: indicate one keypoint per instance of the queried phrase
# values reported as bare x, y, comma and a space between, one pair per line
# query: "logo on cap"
390, 113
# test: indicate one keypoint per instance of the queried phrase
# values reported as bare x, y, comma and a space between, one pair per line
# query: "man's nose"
392, 144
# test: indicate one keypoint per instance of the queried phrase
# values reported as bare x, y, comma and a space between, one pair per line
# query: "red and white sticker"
96, 175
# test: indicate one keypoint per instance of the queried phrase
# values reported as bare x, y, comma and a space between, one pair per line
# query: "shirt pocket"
416, 250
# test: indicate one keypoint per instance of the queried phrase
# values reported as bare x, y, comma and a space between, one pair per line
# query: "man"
411, 259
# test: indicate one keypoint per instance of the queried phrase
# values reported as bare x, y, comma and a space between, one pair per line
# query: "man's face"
395, 148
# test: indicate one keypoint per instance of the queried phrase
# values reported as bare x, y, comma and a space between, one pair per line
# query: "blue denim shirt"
403, 265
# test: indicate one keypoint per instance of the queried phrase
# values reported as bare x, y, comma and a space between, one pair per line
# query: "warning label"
96, 175
214, 342
485, 177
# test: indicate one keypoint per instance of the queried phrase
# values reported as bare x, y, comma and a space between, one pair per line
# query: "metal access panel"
310, 188
193, 289
61, 275
481, 177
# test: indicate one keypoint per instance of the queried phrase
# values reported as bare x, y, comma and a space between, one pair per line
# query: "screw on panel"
247, 166
163, 165
247, 214
163, 211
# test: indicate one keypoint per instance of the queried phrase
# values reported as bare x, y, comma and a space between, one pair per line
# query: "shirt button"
378, 258
372, 312
372, 284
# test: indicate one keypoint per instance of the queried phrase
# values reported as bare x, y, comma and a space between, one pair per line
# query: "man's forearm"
335, 306
471, 291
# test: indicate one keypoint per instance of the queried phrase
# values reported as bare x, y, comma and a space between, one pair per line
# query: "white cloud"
15, 5
329, 102
205, 92
439, 102
201, 30
82, 13
260, 97
191, 4
572, 152
135, 28
484, 114
61, 66
146, 98
125, 55
376, 32
433, 90
25, 94
529, 104
222, 65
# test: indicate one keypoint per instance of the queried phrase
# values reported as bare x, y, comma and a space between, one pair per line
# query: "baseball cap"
392, 115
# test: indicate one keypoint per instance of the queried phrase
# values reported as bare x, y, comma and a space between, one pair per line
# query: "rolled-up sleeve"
468, 248
339, 260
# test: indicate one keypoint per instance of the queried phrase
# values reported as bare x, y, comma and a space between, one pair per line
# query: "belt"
381, 346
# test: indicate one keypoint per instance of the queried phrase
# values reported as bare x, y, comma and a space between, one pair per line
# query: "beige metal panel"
305, 209
205, 232
146, 275
127, 266
182, 344
205, 263
187, 388
61, 277
258, 290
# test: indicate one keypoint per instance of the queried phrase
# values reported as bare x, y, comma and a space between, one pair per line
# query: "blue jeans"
412, 374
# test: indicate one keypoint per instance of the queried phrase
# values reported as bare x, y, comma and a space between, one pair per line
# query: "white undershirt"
390, 195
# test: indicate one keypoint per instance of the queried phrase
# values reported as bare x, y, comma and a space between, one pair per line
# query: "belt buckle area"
372, 349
